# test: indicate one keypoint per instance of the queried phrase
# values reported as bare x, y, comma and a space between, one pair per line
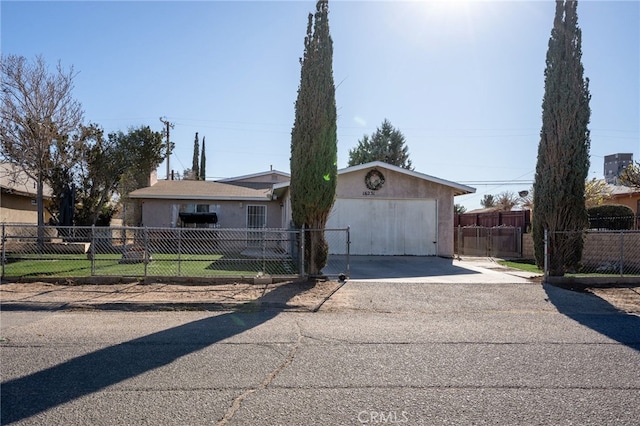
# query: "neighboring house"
18, 196
390, 210
625, 195
264, 180
181, 203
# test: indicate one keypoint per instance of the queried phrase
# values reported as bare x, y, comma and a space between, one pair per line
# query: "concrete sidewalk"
418, 269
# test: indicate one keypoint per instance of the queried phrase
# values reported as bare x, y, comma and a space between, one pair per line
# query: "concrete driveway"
429, 269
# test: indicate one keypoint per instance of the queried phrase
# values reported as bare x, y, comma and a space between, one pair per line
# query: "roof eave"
461, 189
182, 197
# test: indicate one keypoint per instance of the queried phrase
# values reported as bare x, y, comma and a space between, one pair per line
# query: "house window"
198, 208
256, 216
198, 215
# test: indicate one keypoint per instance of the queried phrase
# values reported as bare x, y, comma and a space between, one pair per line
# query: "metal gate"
499, 241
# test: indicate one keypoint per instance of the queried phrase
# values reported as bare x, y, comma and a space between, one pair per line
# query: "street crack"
237, 402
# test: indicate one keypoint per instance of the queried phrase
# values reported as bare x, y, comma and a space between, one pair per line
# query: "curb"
244, 307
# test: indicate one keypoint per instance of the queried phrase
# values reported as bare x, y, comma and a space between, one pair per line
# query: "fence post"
302, 274
264, 249
348, 251
459, 242
4, 251
145, 254
179, 251
621, 253
93, 250
546, 254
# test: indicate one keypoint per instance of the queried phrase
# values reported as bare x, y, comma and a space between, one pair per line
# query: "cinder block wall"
600, 248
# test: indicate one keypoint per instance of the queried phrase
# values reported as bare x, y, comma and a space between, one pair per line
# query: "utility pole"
169, 125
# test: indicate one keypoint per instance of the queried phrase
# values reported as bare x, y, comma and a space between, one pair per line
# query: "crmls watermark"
383, 417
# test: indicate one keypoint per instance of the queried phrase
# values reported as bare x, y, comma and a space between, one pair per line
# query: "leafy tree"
109, 168
385, 144
630, 176
101, 167
203, 163
187, 174
459, 209
314, 139
563, 152
66, 161
146, 150
596, 192
195, 167
36, 115
488, 201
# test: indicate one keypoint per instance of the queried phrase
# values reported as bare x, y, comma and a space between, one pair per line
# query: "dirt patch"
294, 295
626, 299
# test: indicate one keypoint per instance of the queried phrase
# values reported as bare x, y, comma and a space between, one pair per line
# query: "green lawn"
530, 266
524, 265
191, 265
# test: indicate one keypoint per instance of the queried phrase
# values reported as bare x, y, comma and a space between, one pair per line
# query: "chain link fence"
31, 251
604, 252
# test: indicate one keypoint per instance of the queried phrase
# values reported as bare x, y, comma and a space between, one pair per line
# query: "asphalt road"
376, 353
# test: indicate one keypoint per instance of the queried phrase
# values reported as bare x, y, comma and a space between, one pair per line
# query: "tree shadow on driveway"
597, 314
27, 396
385, 267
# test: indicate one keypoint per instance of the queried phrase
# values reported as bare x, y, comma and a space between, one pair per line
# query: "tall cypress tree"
194, 165
563, 152
203, 163
314, 139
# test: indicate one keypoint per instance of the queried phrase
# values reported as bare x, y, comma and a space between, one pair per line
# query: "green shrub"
610, 216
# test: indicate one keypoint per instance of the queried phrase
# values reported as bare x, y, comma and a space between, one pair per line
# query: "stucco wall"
630, 201
231, 214
19, 209
400, 186
599, 248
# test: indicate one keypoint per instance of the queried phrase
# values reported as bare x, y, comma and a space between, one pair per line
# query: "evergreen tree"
203, 163
194, 165
314, 139
386, 144
563, 152
459, 209
488, 201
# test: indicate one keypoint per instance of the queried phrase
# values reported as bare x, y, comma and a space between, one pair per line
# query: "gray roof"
199, 190
13, 179
255, 175
621, 190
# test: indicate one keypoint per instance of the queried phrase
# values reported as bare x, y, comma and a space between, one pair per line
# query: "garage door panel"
387, 227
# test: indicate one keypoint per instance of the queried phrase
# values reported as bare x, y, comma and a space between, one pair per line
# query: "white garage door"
388, 227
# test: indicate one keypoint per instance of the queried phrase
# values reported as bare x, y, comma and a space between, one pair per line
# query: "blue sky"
463, 81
